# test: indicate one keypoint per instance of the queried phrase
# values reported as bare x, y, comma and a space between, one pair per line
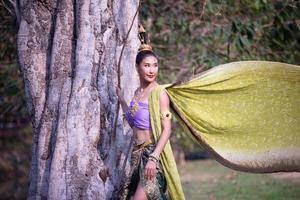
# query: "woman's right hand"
120, 94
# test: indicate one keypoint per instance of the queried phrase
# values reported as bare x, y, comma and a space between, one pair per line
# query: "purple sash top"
141, 119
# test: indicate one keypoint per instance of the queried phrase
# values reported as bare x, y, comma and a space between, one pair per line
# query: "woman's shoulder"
159, 91
163, 96
158, 88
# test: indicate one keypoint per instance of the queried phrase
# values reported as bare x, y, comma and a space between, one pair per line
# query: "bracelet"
153, 155
153, 158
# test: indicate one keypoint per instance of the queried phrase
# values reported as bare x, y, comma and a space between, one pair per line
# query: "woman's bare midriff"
141, 136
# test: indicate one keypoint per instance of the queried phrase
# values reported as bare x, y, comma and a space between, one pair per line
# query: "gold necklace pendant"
134, 108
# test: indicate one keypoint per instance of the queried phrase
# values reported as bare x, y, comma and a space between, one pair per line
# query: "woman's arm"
150, 168
166, 124
121, 99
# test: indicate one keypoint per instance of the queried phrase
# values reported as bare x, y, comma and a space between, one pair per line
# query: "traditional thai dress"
156, 188
246, 114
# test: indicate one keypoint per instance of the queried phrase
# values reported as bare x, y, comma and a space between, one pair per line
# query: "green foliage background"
12, 101
193, 36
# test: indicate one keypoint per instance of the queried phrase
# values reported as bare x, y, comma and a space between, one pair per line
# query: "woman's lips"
151, 76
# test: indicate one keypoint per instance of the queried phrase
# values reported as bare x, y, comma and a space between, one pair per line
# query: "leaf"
13, 90
257, 4
245, 41
234, 27
298, 24
250, 33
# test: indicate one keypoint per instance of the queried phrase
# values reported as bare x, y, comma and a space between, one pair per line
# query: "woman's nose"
152, 70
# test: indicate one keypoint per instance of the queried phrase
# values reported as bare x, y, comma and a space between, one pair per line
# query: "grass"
207, 179
14, 164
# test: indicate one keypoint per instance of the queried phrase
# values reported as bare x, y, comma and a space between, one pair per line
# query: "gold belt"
142, 145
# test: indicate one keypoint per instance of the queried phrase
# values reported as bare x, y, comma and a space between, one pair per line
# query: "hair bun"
145, 43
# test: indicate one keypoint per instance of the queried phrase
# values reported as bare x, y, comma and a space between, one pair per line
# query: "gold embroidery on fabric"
151, 186
134, 109
140, 156
135, 160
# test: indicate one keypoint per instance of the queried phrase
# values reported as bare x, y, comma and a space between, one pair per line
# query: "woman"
153, 173
246, 114
147, 180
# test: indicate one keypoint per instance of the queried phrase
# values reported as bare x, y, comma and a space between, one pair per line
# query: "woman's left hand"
150, 169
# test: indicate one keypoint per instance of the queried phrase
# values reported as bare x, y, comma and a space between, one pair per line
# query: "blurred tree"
68, 53
12, 101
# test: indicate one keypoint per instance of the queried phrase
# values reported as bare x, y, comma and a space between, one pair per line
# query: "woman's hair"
143, 54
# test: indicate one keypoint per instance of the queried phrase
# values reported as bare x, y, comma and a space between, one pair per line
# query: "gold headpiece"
145, 43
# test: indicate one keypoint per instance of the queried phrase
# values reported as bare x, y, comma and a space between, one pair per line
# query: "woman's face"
148, 69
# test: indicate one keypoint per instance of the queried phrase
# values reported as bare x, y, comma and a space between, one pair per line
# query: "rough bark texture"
68, 53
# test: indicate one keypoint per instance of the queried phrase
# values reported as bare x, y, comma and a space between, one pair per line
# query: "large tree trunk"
68, 53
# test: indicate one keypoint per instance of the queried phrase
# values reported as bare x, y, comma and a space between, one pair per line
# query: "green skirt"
155, 188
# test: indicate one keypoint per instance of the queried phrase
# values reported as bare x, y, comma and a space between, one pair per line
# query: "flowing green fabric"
166, 157
246, 114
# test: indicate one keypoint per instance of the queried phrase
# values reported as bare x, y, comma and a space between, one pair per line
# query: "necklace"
135, 107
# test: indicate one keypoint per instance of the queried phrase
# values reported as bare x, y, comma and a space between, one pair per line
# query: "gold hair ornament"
145, 43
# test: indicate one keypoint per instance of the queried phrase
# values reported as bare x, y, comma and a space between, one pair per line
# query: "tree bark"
68, 53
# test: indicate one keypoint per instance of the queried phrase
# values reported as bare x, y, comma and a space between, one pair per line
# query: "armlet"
166, 115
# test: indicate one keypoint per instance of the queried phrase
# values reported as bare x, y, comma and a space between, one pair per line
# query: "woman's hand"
150, 169
120, 94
